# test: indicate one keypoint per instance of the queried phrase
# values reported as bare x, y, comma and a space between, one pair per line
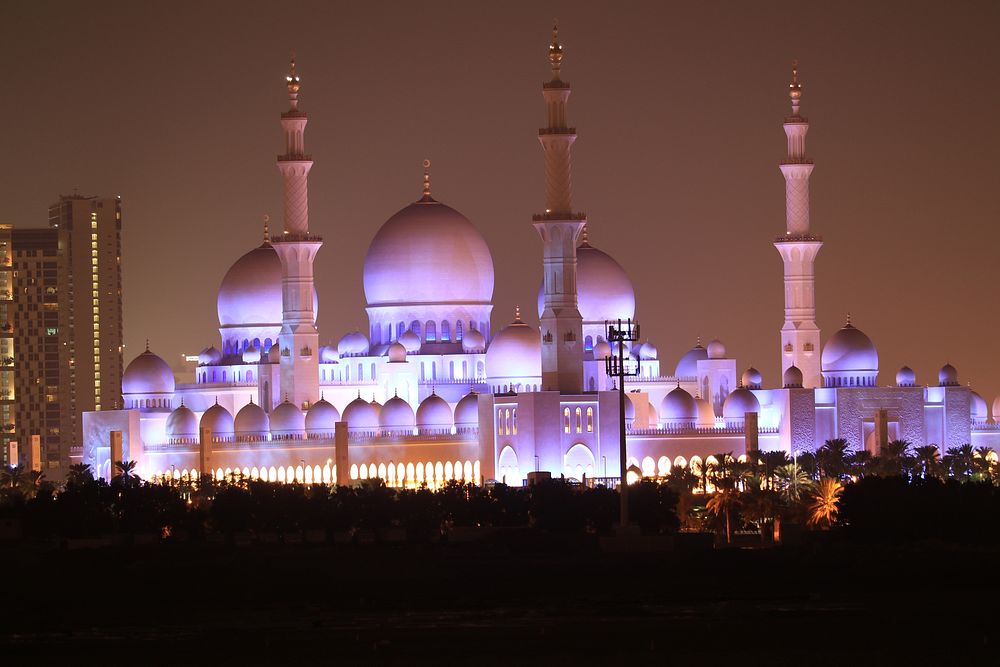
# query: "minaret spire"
427, 182
800, 337
561, 326
297, 248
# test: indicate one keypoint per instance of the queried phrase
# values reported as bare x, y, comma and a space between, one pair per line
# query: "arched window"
400, 329
451, 370
415, 327
579, 420
267, 345
506, 421
465, 369
381, 471
400, 473
565, 420
467, 470
514, 420
388, 332
588, 343
434, 370
438, 473
590, 420
449, 470
458, 330
445, 331
648, 467
361, 372
663, 466
391, 473
430, 331
499, 422
372, 472
373, 370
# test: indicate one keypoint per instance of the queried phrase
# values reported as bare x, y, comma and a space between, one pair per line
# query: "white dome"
352, 344
322, 417
328, 354
410, 341
977, 407
515, 352
706, 413
396, 414
251, 420
182, 423
250, 293
905, 377
287, 419
251, 355
849, 350
604, 291
687, 367
792, 377
148, 374
948, 376
602, 350
678, 407
361, 414
218, 420
467, 410
396, 353
210, 355
738, 403
752, 378
648, 351
473, 341
428, 253
434, 413
716, 350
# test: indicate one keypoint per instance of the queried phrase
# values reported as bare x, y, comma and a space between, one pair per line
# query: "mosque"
432, 392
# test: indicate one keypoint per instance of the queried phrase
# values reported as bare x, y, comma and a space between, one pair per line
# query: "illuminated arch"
578, 461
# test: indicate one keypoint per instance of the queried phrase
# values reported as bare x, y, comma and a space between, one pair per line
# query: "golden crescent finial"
795, 88
427, 179
555, 50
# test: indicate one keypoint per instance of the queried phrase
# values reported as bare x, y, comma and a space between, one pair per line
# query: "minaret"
800, 344
561, 326
297, 249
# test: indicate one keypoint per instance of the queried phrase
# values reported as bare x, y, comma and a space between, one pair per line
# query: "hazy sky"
175, 107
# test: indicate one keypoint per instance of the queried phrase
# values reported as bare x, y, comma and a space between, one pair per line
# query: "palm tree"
928, 461
126, 472
771, 462
723, 503
984, 461
862, 463
34, 482
824, 504
12, 477
832, 457
79, 473
896, 459
793, 482
960, 460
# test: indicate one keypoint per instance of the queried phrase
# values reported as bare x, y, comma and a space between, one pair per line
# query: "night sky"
678, 107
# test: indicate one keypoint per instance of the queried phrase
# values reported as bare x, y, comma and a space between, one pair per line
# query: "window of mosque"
467, 471
465, 369
579, 420
514, 420
445, 331
449, 470
506, 421
451, 370
354, 471
458, 330
565, 420
663, 466
590, 420
648, 467
499, 422
400, 473
372, 472
588, 343
415, 327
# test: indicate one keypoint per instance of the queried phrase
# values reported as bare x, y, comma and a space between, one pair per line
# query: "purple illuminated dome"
250, 294
849, 350
218, 420
396, 415
428, 253
687, 367
148, 374
467, 411
434, 413
182, 423
679, 408
738, 403
604, 291
322, 417
516, 352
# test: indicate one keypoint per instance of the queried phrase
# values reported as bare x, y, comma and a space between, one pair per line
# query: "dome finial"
555, 51
427, 182
267, 228
849, 319
294, 83
251, 399
147, 345
795, 88
584, 237
517, 314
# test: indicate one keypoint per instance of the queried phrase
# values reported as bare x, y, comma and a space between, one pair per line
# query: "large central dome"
428, 253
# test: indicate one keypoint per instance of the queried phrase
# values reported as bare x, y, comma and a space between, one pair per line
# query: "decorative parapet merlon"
301, 157
288, 237
798, 238
546, 131
556, 216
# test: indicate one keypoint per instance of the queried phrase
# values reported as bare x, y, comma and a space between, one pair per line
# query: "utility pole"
616, 366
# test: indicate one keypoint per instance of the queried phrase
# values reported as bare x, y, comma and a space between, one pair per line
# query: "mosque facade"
430, 392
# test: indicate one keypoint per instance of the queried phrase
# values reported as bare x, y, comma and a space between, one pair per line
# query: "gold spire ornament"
795, 88
555, 50
294, 83
267, 228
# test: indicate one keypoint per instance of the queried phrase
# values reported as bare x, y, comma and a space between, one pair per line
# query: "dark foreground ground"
516, 599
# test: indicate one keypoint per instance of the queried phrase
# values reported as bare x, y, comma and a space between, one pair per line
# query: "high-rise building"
60, 325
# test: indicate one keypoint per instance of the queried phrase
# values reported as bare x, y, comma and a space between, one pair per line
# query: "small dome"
752, 378
905, 377
716, 350
602, 350
274, 354
182, 423
738, 403
148, 374
473, 341
648, 351
410, 341
251, 420
948, 376
687, 367
678, 407
396, 414
434, 413
467, 411
397, 353
604, 291
287, 419
218, 420
210, 355
706, 413
849, 350
360, 414
322, 417
328, 354
792, 378
252, 355
515, 352
352, 344
977, 407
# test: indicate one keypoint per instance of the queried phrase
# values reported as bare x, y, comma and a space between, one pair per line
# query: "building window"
590, 420
566, 420
579, 420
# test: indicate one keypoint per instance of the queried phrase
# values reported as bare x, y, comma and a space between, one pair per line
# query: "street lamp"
615, 364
